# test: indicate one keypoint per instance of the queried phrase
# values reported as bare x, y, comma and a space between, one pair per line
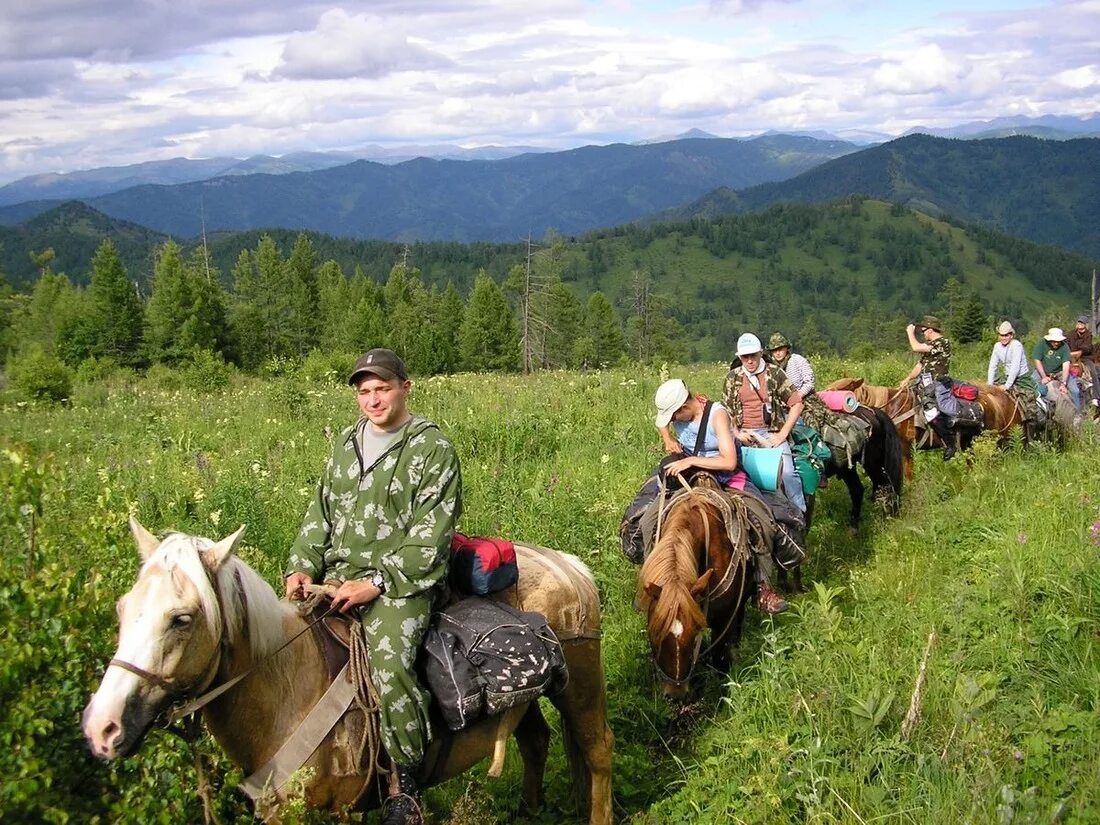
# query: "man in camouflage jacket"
380, 527
935, 359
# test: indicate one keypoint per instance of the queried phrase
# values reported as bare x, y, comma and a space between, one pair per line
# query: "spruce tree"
114, 311
171, 306
488, 338
246, 313
208, 327
601, 328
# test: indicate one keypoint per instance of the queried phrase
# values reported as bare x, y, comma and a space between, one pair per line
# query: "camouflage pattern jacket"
395, 517
773, 384
937, 360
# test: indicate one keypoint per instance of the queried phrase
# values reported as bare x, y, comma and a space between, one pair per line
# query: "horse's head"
170, 638
669, 588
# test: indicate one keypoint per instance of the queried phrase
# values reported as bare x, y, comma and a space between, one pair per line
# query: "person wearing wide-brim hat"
935, 359
1008, 356
1051, 358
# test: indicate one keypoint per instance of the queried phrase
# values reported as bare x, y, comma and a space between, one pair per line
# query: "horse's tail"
890, 460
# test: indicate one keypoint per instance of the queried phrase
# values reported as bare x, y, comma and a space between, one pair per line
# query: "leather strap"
307, 737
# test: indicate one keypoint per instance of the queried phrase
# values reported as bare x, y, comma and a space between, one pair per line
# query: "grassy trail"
998, 558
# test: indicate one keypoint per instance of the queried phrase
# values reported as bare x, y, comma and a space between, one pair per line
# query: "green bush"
164, 377
95, 369
206, 371
39, 376
326, 367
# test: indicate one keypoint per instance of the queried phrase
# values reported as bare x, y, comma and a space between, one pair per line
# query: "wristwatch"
378, 582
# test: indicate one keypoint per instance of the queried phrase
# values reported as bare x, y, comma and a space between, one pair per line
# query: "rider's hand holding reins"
354, 594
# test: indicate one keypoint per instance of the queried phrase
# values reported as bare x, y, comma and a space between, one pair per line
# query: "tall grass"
998, 558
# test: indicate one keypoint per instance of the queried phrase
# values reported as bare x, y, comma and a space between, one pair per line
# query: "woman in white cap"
684, 413
1051, 357
716, 450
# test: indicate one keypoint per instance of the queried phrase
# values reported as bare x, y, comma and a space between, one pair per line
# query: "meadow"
990, 576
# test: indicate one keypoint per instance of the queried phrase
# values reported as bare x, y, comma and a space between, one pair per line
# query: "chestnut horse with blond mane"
693, 579
1000, 412
198, 617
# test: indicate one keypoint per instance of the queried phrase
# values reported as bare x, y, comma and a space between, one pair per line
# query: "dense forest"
835, 278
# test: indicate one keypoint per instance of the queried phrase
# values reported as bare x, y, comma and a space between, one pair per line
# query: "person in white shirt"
1008, 354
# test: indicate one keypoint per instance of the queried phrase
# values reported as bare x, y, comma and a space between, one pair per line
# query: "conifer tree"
296, 298
208, 327
332, 307
488, 338
246, 313
363, 325
114, 312
601, 329
171, 306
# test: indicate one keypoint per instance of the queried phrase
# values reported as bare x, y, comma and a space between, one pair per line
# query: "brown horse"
1000, 412
198, 616
693, 579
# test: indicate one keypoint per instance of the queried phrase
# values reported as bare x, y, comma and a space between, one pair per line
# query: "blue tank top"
687, 433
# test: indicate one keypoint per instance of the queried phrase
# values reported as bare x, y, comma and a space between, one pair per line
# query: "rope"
367, 751
366, 700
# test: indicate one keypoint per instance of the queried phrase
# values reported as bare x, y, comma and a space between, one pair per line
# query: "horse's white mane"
180, 552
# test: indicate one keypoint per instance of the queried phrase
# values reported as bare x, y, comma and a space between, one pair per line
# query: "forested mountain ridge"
1045, 191
499, 200
830, 275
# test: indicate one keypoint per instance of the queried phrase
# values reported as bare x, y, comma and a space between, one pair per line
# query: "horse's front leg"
855, 492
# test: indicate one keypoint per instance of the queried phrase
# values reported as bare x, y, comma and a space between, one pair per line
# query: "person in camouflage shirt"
935, 359
764, 406
380, 527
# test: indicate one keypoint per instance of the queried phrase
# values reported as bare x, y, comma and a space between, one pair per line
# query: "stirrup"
402, 805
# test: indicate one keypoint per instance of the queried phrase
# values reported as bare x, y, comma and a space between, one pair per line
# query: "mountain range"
1045, 191
500, 200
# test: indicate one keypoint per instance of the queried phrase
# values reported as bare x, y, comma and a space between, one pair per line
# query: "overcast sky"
87, 83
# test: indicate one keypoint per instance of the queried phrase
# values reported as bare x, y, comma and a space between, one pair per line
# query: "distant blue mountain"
499, 200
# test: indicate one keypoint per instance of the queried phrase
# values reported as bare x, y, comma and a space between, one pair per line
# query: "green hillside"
829, 274
73, 231
835, 263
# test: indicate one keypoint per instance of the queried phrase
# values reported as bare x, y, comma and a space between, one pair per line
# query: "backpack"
482, 657
481, 565
964, 391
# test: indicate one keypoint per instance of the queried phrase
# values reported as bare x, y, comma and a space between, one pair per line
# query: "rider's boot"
768, 601
946, 436
402, 807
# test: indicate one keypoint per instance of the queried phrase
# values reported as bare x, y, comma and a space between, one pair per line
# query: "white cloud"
122, 81
926, 69
346, 46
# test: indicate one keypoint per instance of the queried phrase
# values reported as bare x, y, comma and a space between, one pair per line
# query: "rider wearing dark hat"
935, 359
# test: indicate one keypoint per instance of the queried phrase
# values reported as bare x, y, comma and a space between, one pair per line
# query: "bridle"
178, 693
720, 589
179, 707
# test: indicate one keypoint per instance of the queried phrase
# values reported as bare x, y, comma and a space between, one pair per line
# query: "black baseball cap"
385, 363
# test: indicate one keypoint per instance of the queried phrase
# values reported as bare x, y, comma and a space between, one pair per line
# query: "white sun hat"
1055, 334
748, 343
671, 395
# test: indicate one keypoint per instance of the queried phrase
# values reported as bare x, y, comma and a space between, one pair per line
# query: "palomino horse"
999, 410
198, 616
693, 579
